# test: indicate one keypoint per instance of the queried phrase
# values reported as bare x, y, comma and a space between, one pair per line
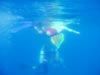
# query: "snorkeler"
54, 30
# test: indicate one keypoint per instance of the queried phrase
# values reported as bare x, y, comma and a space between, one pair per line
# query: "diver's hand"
76, 32
71, 30
38, 30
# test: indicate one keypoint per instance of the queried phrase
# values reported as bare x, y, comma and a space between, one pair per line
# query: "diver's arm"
38, 30
71, 30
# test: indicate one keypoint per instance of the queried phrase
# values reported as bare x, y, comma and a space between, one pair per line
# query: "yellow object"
57, 39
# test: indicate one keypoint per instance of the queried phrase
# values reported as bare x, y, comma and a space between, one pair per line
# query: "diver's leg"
42, 55
53, 55
43, 61
42, 68
57, 55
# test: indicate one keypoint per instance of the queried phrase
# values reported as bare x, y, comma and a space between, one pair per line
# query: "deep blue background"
80, 53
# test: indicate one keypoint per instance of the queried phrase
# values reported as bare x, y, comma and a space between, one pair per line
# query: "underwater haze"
20, 43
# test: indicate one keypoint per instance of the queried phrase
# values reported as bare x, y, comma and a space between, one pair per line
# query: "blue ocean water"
19, 51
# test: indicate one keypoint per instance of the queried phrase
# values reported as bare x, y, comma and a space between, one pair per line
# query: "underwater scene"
49, 37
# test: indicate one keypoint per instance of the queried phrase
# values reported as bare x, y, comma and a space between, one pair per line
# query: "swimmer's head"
51, 31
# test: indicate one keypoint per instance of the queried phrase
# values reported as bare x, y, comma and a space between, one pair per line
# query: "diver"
54, 30
50, 51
